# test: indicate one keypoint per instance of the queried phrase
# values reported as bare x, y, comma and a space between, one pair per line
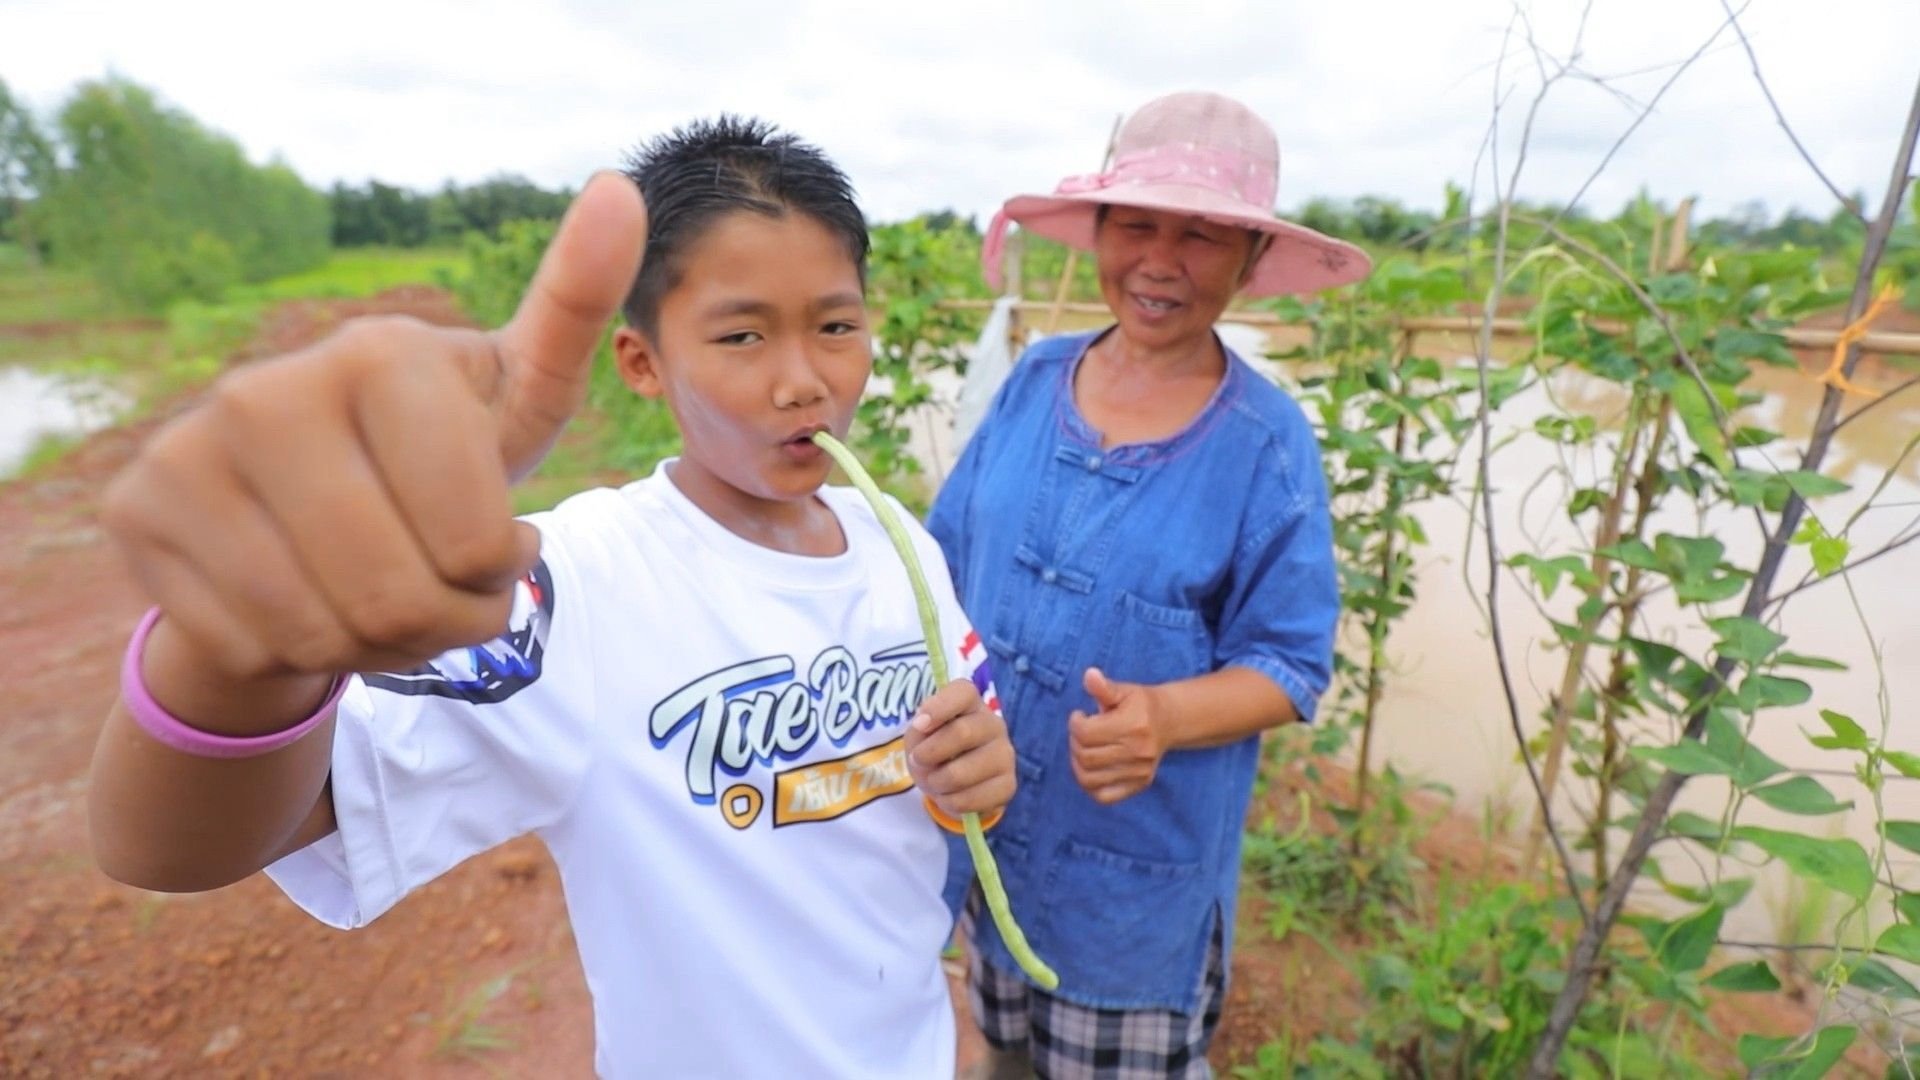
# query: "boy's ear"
638, 361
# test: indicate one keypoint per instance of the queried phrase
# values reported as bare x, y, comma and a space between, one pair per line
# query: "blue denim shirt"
1155, 562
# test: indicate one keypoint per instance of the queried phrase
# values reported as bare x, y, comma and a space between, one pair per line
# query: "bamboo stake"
1073, 254
1885, 342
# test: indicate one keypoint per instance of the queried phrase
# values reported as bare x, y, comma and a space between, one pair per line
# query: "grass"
46, 450
30, 294
150, 358
463, 1030
357, 272
46, 294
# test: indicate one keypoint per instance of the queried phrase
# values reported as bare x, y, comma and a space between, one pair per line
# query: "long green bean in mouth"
983, 862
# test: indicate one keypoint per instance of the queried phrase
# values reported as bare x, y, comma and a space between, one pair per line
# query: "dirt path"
475, 976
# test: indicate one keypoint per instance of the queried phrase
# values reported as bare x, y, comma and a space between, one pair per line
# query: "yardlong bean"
983, 862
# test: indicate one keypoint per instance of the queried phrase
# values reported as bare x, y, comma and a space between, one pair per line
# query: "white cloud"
934, 105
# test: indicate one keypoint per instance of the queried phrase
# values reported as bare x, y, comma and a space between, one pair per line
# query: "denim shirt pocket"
1152, 643
1132, 913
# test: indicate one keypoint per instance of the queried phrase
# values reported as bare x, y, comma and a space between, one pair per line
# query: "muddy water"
1444, 716
36, 405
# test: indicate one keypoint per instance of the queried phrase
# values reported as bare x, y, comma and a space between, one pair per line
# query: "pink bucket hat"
1189, 153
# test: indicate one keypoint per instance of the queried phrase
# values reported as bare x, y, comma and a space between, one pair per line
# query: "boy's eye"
744, 337
1196, 234
839, 328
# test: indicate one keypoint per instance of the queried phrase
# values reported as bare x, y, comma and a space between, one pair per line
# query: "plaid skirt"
1066, 1041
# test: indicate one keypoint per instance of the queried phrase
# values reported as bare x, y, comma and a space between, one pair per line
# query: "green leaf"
1840, 864
1905, 834
1741, 344
1703, 427
1749, 487
1547, 573
1686, 757
1818, 663
1829, 554
1746, 640
1585, 499
1800, 795
1755, 1049
1751, 765
1908, 905
1812, 485
1665, 665
1671, 289
1900, 941
1828, 1048
1633, 552
1877, 978
1387, 973
1592, 609
1693, 826
1688, 942
1847, 735
1692, 556
1905, 763
1771, 691
1693, 562
1709, 590
1811, 1064
1753, 977
1727, 892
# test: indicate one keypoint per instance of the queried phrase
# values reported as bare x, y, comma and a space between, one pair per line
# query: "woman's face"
1168, 277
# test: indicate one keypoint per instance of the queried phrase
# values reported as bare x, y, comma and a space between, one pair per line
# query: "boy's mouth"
800, 446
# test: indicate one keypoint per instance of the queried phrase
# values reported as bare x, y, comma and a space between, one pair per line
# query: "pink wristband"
176, 733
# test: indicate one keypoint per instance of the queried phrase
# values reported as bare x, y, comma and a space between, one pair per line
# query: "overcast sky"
960, 104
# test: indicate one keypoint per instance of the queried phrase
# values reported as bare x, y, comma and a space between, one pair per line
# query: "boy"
710, 684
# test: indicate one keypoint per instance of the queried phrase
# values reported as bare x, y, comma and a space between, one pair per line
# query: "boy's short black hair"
694, 175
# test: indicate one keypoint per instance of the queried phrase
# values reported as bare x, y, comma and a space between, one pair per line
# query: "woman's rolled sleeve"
1284, 602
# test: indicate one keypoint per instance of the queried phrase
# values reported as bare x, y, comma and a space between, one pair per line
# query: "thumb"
546, 351
1105, 691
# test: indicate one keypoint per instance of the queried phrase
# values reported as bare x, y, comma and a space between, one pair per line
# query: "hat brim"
1300, 260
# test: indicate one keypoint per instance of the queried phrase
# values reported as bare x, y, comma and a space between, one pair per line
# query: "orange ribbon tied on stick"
1836, 373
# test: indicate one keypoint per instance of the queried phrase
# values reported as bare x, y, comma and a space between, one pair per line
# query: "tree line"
157, 207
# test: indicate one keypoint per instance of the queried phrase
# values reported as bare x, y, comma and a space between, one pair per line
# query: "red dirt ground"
474, 976
100, 979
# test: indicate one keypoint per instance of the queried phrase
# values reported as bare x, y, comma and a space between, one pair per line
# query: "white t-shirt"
706, 733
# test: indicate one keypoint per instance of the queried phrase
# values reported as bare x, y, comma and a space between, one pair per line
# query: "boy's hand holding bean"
958, 752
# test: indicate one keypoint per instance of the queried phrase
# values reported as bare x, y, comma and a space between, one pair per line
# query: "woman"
1139, 530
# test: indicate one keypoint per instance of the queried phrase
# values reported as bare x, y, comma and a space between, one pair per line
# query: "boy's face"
763, 342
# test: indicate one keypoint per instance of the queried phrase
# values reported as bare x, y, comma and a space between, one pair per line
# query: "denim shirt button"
1049, 575
1093, 462
1020, 664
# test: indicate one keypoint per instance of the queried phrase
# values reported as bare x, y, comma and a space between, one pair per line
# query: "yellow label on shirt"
827, 789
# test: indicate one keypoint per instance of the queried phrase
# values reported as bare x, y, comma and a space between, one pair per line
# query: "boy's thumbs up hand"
345, 507
1117, 750
544, 355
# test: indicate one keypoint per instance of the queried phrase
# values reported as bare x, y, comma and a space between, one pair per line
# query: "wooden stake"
1073, 254
1677, 245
